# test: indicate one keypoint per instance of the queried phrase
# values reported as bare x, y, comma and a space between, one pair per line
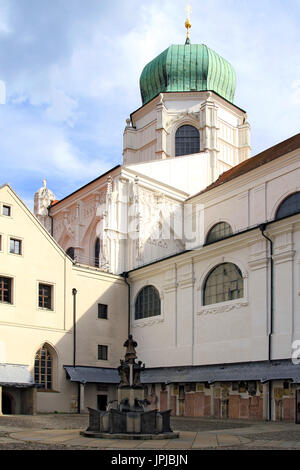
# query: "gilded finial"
188, 24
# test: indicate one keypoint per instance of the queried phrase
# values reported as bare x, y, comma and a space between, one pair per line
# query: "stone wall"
237, 400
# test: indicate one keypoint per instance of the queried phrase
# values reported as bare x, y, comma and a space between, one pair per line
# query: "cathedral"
192, 245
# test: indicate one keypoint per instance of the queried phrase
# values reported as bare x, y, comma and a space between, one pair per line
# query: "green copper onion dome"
189, 67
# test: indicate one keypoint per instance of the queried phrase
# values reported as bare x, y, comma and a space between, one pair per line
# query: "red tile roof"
279, 150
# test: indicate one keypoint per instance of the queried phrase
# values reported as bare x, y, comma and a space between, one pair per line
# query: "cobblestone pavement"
62, 432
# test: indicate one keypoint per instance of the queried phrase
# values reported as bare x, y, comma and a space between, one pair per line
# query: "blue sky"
71, 70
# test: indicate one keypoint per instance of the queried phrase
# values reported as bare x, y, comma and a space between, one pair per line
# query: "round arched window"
218, 232
187, 140
147, 303
224, 282
290, 206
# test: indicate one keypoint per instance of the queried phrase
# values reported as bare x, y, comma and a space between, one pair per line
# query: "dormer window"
187, 140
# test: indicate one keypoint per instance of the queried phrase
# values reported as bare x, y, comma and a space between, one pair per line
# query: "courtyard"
62, 432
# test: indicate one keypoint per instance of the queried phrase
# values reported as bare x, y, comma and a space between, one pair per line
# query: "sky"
70, 69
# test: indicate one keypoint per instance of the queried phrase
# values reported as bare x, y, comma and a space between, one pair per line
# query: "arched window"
187, 140
218, 232
290, 206
97, 252
147, 303
71, 252
224, 282
43, 368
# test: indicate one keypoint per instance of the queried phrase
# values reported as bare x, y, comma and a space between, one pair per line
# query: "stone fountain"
131, 419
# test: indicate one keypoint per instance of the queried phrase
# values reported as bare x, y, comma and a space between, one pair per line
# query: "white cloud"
5, 27
72, 76
61, 108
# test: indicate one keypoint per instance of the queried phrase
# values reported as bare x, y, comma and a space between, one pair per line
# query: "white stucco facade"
144, 224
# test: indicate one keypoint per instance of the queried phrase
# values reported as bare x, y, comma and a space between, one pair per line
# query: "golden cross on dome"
188, 23
188, 11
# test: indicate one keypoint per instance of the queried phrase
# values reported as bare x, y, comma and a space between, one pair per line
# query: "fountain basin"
142, 425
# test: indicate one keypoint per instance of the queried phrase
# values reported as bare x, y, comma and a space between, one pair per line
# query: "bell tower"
188, 118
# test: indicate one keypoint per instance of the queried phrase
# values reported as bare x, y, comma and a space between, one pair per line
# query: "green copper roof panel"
190, 67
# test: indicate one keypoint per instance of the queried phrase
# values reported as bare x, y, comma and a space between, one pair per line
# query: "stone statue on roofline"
42, 200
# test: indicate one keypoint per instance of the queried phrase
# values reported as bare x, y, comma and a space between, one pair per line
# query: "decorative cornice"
170, 286
148, 322
284, 256
184, 283
258, 263
194, 116
215, 309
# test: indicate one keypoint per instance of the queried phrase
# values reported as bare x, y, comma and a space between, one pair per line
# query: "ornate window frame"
188, 119
149, 321
227, 305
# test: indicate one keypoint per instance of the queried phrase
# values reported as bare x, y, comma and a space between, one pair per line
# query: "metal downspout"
262, 228
125, 275
74, 293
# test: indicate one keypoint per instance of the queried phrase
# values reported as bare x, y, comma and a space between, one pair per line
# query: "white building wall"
25, 327
188, 333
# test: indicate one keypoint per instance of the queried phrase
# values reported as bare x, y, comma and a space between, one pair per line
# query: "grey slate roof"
92, 374
260, 371
15, 375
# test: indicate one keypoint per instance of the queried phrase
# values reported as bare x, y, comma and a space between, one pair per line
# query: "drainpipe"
74, 293
262, 228
125, 275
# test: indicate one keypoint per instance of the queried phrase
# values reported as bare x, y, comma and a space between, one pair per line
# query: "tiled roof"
279, 150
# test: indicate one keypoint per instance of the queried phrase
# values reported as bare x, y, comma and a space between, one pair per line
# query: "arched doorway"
7, 403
